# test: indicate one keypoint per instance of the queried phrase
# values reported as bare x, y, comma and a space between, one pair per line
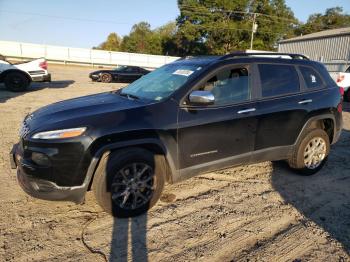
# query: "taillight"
340, 78
340, 107
43, 65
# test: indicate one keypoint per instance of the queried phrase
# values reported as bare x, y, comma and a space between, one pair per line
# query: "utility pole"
254, 28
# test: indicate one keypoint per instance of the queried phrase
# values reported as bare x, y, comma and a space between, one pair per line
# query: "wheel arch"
324, 121
153, 145
6, 72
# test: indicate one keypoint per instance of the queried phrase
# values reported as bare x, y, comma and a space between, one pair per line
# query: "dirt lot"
261, 212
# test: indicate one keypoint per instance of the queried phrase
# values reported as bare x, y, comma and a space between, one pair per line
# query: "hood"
73, 111
100, 72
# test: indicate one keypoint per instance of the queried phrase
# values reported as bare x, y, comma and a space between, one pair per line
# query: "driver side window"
229, 85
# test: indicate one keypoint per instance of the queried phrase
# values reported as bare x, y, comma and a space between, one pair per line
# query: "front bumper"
94, 77
40, 188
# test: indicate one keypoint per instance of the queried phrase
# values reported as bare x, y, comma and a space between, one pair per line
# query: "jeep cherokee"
189, 117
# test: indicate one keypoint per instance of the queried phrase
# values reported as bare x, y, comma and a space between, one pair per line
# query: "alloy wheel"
315, 152
133, 186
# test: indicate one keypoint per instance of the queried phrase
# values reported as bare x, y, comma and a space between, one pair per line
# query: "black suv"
192, 116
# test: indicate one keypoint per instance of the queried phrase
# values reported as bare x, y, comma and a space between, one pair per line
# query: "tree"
222, 26
111, 44
166, 37
142, 39
137, 40
332, 18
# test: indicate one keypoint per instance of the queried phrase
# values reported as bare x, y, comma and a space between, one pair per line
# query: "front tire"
16, 82
311, 152
106, 78
129, 182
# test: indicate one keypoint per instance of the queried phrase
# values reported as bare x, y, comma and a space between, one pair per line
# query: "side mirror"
202, 98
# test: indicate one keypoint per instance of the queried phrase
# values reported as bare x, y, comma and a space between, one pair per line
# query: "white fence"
81, 55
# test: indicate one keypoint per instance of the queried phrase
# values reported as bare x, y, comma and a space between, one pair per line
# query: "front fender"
155, 145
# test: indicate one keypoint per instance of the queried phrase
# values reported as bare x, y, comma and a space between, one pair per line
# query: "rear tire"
106, 78
16, 81
311, 152
129, 182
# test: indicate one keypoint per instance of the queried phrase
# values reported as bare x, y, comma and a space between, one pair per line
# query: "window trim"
251, 80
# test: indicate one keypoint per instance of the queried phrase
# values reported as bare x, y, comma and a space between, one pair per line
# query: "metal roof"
321, 34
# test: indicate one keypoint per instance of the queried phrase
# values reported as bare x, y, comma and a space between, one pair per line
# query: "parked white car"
17, 77
343, 80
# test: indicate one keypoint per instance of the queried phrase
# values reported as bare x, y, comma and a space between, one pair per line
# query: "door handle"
246, 111
305, 101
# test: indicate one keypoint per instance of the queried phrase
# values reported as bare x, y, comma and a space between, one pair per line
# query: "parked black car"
186, 118
120, 74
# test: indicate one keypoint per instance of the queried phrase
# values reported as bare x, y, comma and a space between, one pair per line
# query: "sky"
87, 23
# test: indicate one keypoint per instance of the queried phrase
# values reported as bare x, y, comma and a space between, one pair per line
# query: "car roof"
263, 58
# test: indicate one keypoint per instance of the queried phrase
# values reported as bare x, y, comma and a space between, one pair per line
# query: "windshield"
162, 82
348, 70
120, 68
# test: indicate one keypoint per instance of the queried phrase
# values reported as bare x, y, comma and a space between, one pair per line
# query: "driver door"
222, 134
130, 74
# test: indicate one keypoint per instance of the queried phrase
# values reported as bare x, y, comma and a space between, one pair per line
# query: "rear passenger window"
312, 79
278, 80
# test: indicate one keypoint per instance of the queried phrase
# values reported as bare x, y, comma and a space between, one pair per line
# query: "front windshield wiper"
129, 96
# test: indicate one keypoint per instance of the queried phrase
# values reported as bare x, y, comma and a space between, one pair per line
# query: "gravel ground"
261, 212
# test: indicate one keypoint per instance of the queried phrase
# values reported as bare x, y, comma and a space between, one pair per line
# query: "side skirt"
269, 154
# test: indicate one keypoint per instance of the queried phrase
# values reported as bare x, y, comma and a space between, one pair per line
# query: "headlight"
59, 134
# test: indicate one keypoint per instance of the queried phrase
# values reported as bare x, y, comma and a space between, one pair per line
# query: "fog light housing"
40, 159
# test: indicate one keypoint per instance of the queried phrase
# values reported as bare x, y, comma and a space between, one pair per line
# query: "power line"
114, 22
201, 8
217, 28
67, 18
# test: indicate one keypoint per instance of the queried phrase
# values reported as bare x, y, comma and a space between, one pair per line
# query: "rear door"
215, 134
282, 107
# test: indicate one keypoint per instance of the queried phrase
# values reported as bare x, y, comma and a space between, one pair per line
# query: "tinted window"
278, 80
312, 79
229, 86
348, 70
130, 70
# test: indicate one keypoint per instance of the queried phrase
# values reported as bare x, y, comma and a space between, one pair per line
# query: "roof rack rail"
240, 54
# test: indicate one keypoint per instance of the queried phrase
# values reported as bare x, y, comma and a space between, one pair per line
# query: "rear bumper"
41, 78
40, 188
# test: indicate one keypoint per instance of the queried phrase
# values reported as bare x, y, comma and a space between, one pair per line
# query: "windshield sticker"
183, 72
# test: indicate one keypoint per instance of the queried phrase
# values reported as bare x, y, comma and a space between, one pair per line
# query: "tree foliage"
332, 18
111, 44
144, 40
221, 26
207, 27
